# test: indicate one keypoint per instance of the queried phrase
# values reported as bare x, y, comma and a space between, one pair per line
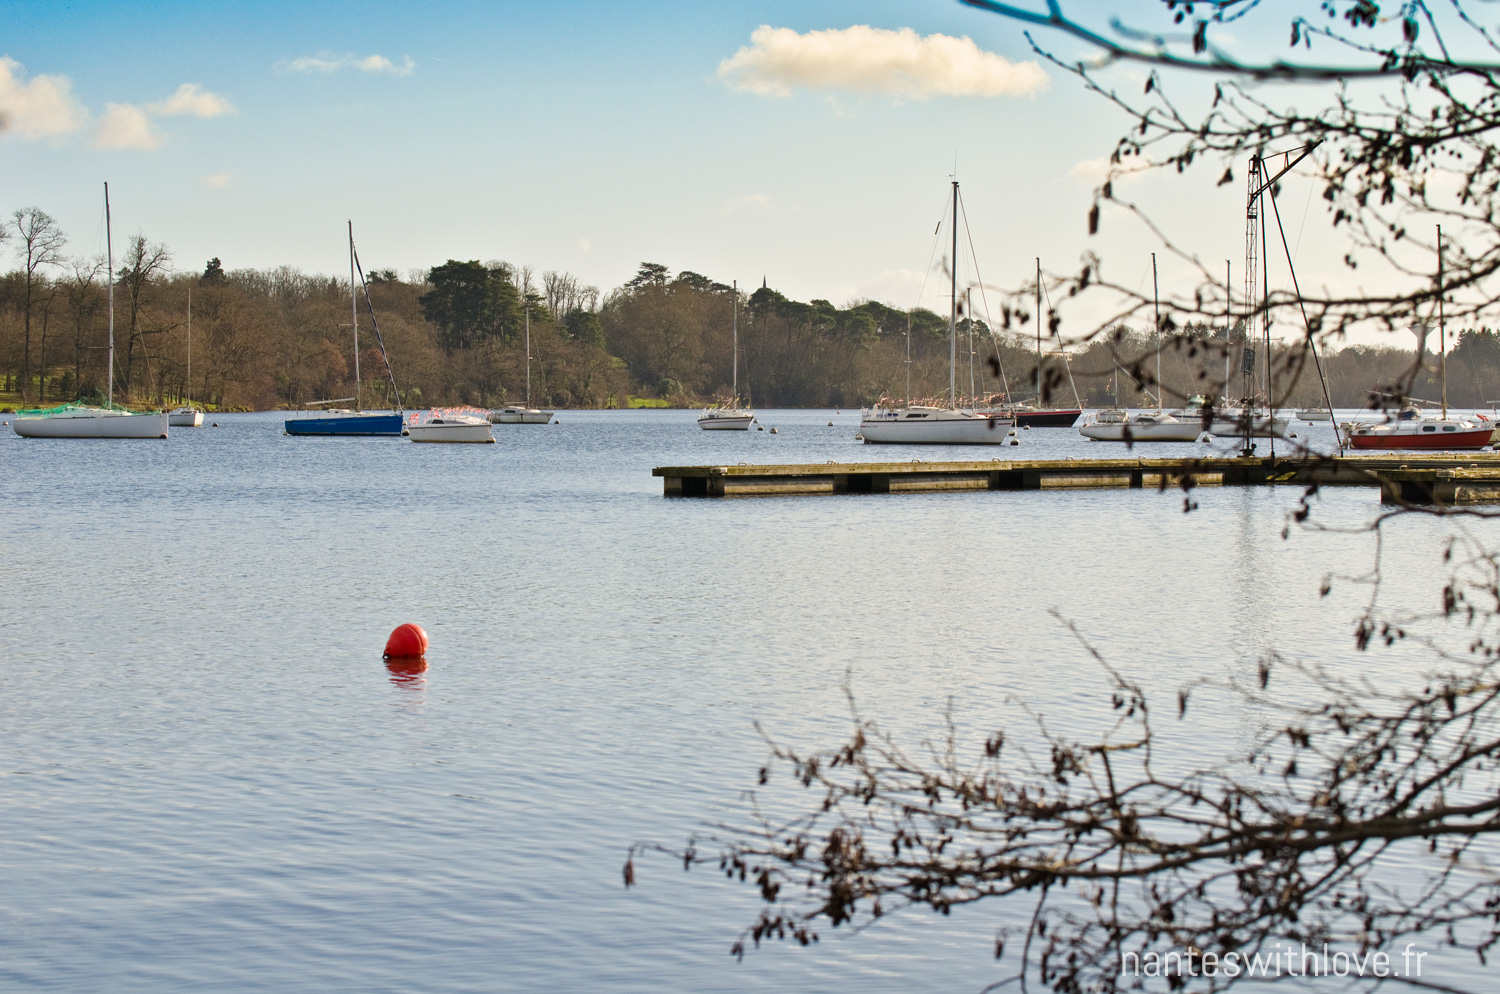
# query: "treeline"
456, 334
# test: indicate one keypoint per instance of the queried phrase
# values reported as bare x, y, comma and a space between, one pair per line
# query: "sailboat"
1144, 426
81, 421
1033, 415
920, 425
527, 415
355, 422
189, 416
731, 416
1410, 430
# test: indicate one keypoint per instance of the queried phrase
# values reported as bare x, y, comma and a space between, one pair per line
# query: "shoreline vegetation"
279, 339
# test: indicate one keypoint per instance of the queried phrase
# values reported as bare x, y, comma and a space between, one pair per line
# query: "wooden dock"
1404, 477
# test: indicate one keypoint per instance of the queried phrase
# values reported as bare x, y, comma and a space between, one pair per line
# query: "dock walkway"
1404, 477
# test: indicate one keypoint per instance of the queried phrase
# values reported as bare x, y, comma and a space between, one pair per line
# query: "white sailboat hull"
185, 417
93, 424
446, 430
719, 420
1115, 431
1260, 427
520, 416
934, 427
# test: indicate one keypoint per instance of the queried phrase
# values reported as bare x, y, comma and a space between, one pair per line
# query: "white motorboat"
519, 416
1315, 414
450, 426
1142, 426
82, 421
726, 419
920, 425
730, 416
76, 421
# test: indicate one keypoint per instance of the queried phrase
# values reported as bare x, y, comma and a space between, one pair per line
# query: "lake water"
209, 779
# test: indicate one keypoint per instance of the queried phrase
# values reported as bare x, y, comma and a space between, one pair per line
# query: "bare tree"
85, 304
40, 245
144, 263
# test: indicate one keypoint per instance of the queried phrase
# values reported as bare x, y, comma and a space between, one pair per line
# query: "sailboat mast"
953, 310
1156, 307
109, 250
734, 341
354, 318
528, 354
1265, 292
908, 358
1039, 332
1228, 322
190, 348
1442, 329
969, 316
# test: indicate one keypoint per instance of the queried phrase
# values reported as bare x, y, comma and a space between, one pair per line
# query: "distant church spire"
762, 282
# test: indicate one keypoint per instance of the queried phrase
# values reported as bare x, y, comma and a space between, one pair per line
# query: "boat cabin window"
1449, 428
916, 415
1429, 428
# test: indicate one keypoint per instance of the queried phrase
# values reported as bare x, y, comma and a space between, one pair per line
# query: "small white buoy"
1027, 427
773, 431
1204, 438
1011, 433
1015, 441
1292, 435
759, 428
830, 424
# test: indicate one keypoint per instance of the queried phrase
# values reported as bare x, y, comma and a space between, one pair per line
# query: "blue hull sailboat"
347, 424
356, 422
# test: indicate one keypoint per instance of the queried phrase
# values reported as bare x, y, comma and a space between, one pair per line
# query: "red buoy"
407, 641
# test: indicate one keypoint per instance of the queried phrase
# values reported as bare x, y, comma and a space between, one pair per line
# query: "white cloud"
753, 201
862, 59
41, 108
367, 63
1096, 171
125, 126
217, 181
189, 99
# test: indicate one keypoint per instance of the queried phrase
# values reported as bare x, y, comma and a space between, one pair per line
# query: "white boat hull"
1259, 428
936, 427
520, 416
447, 431
185, 417
726, 421
1114, 431
104, 424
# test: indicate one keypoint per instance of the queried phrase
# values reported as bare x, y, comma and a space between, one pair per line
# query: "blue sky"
582, 136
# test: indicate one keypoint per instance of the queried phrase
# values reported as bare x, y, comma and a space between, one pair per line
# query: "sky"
808, 144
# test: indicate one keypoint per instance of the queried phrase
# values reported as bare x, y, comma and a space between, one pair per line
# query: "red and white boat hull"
1422, 435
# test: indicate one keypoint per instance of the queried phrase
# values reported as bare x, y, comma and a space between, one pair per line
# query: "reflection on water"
406, 671
177, 813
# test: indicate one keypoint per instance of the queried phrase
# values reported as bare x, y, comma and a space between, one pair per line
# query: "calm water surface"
209, 780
